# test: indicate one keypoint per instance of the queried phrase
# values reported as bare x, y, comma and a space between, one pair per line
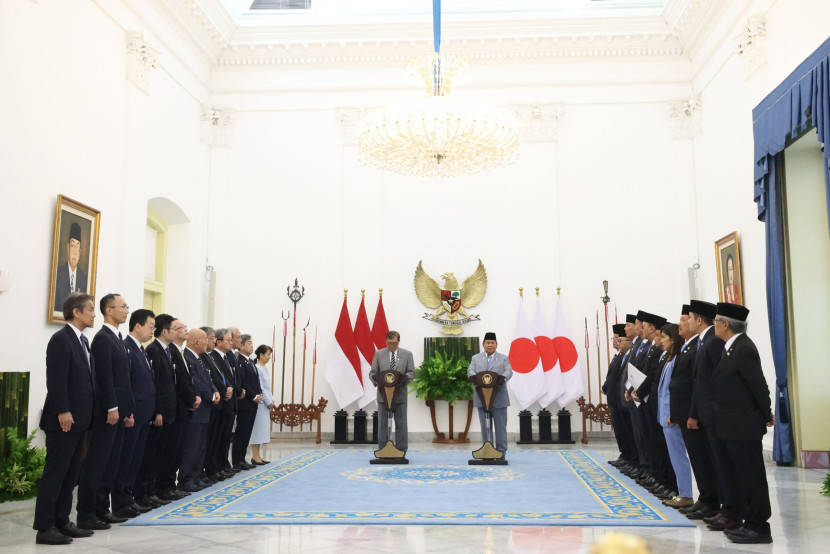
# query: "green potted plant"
442, 377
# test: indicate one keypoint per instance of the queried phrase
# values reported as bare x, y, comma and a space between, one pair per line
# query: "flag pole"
302, 383
273, 351
295, 295
313, 365
284, 338
588, 365
599, 371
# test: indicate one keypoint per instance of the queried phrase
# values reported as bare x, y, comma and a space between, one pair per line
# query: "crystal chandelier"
438, 136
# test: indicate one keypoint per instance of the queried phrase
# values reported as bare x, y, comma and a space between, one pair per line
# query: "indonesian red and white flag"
549, 358
366, 347
569, 365
379, 326
528, 381
343, 364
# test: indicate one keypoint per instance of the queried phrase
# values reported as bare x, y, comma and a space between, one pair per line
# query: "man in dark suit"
249, 400
612, 389
162, 439
702, 411
680, 394
142, 324
114, 409
70, 278
67, 414
213, 471
742, 414
490, 360
224, 358
187, 401
195, 440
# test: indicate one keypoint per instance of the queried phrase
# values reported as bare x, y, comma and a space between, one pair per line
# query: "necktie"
699, 342
392, 361
71, 282
119, 336
85, 342
169, 354
489, 361
149, 365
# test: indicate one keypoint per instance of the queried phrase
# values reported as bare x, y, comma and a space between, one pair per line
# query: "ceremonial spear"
605, 299
284, 338
295, 294
302, 385
273, 351
313, 365
599, 371
588, 367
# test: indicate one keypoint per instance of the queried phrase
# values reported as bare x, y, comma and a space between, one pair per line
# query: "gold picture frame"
728, 256
76, 239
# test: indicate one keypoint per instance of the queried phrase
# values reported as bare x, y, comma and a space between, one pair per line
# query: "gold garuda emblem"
487, 379
390, 378
450, 300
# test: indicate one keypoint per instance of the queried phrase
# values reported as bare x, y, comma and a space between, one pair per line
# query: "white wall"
72, 125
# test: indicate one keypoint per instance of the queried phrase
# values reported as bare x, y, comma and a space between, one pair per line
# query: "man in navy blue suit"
195, 441
67, 413
142, 324
113, 412
186, 402
224, 358
249, 399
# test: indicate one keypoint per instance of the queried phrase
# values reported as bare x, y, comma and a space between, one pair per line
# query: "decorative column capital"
685, 117
217, 124
538, 122
751, 43
141, 60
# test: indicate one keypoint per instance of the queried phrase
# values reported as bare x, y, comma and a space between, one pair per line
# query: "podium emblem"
389, 378
487, 379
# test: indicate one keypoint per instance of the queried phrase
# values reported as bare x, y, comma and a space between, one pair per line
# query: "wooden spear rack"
293, 415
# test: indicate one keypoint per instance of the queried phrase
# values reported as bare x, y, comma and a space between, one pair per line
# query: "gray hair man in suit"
490, 360
401, 361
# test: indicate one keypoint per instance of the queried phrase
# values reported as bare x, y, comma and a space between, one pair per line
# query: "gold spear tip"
521, 291
537, 291
362, 293
558, 291
345, 292
380, 292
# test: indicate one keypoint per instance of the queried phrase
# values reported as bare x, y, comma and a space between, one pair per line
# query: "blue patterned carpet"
554, 487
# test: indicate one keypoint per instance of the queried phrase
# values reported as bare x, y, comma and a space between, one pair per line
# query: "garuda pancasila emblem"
450, 300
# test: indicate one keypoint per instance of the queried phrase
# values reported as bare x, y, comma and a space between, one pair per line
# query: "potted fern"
442, 377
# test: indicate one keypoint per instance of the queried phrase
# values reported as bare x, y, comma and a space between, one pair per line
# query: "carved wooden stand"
441, 437
292, 415
601, 413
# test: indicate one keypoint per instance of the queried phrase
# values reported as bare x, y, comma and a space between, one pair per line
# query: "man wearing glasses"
612, 388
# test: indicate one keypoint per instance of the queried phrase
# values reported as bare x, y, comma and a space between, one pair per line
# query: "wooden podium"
487, 385
389, 382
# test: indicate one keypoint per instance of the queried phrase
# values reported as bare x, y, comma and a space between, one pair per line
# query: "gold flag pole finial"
537, 291
522, 292
362, 293
380, 292
558, 291
345, 293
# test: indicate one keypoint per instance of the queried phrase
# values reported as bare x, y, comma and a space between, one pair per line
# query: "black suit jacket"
216, 377
165, 381
250, 382
202, 386
740, 392
185, 391
651, 366
708, 355
680, 386
112, 373
230, 377
68, 382
612, 379
142, 381
637, 360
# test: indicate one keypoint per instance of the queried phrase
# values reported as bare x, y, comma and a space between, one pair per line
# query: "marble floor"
800, 524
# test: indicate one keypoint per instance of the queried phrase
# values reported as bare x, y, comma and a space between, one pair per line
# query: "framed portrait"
74, 254
730, 288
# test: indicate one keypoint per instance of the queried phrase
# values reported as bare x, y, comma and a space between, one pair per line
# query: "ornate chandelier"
438, 136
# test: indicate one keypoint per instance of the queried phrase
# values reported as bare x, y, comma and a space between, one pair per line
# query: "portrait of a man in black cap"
71, 277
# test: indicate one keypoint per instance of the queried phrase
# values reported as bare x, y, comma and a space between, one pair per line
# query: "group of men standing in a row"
159, 421
704, 400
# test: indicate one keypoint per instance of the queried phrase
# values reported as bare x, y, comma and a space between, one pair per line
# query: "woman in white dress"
262, 424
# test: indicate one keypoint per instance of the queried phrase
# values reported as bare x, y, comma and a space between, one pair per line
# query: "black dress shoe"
208, 480
246, 465
743, 535
112, 518
725, 525
179, 494
693, 508
217, 477
189, 487
126, 512
146, 505
72, 530
712, 519
233, 470
158, 500
51, 536
93, 524
167, 496
202, 484
139, 508
700, 514
668, 495
256, 463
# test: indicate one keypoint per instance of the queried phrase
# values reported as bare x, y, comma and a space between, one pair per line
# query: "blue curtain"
801, 102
